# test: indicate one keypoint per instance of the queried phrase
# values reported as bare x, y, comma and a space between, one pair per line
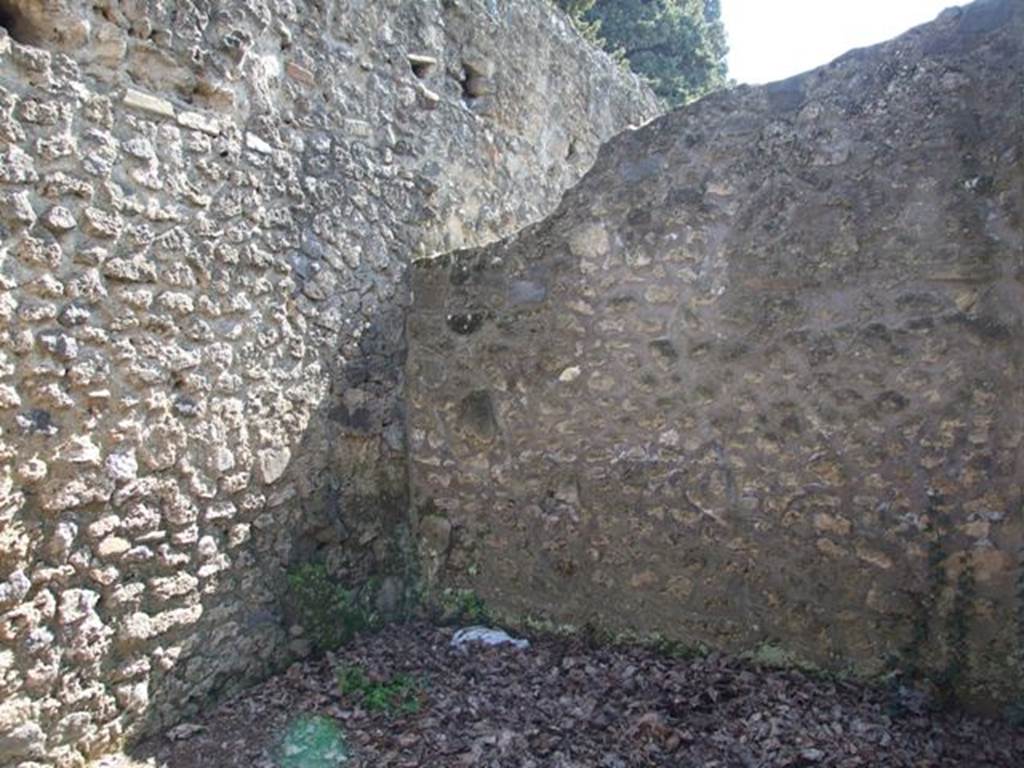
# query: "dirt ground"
404, 697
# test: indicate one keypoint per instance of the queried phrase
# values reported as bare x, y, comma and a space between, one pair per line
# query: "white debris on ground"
487, 636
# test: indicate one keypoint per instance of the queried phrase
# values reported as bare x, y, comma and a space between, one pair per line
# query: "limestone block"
148, 103
272, 463
76, 605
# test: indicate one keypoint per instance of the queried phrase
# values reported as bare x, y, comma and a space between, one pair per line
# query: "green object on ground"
312, 741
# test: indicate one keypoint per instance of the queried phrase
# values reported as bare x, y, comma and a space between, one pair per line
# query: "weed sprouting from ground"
396, 695
330, 614
462, 606
942, 621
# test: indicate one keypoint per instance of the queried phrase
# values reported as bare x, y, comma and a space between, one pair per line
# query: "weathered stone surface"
770, 389
206, 214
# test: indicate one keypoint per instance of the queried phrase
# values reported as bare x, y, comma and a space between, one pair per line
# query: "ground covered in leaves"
404, 697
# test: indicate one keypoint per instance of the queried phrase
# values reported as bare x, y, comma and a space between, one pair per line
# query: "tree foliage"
577, 11
677, 45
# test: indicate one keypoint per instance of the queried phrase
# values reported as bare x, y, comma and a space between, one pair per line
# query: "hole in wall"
106, 12
13, 19
421, 66
6, 20
477, 415
45, 23
475, 84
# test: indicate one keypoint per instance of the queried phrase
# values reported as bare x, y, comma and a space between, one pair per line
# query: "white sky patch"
774, 39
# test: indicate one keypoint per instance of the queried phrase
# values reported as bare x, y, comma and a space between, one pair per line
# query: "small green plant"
957, 670
399, 694
775, 656
463, 605
927, 603
953, 601
676, 649
1015, 711
330, 614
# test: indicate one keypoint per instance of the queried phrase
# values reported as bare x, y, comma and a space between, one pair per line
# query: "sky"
773, 39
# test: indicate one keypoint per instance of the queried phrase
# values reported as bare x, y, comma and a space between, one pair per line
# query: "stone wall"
206, 212
759, 382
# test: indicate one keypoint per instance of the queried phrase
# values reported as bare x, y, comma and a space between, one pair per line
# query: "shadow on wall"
55, 23
340, 505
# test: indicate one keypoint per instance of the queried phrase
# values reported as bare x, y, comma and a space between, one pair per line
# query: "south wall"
758, 383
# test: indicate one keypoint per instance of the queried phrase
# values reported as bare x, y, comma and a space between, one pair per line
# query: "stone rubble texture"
207, 210
758, 383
